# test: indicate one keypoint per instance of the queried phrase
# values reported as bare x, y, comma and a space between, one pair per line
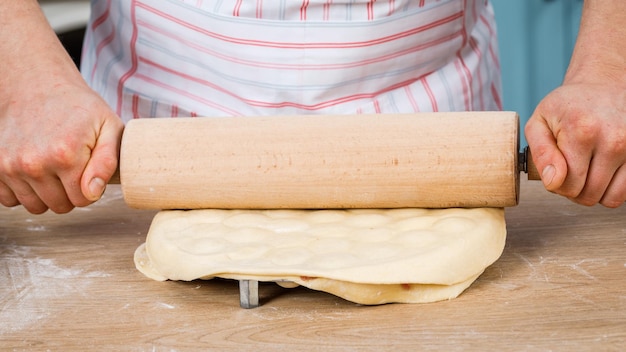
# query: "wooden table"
68, 282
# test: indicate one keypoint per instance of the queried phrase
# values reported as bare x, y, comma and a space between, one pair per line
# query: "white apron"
268, 57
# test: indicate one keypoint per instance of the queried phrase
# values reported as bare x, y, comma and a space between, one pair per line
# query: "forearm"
600, 51
29, 49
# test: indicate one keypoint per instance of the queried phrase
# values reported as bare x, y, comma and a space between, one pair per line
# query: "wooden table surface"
68, 282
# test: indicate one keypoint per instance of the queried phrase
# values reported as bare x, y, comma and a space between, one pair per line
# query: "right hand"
59, 144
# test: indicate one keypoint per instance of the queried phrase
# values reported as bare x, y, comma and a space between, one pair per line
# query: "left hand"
577, 135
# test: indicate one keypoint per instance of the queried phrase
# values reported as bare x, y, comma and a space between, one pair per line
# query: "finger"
103, 161
7, 197
52, 193
579, 148
615, 194
28, 197
69, 181
41, 185
546, 155
602, 170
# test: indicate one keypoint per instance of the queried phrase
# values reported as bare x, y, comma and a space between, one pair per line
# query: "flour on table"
368, 256
30, 284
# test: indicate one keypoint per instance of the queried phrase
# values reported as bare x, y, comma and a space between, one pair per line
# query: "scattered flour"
166, 305
32, 226
29, 285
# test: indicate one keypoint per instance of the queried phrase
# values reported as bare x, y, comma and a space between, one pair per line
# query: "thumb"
103, 161
546, 154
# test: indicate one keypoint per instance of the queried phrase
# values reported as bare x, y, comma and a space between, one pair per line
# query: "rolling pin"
426, 160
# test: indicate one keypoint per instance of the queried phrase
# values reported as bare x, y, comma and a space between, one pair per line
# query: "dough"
368, 256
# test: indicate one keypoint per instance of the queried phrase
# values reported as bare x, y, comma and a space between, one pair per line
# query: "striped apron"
269, 57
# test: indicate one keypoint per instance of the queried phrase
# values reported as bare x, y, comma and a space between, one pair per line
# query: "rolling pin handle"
115, 179
527, 165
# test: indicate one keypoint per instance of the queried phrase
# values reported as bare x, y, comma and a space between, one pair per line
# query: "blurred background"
536, 39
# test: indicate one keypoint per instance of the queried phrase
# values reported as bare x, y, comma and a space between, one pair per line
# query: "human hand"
59, 141
577, 135
59, 144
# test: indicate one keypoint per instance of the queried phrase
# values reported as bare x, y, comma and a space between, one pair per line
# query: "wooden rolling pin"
428, 160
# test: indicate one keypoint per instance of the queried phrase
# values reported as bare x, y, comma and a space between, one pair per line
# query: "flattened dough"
368, 256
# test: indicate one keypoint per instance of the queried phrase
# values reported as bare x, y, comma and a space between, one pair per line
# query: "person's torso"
237, 57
